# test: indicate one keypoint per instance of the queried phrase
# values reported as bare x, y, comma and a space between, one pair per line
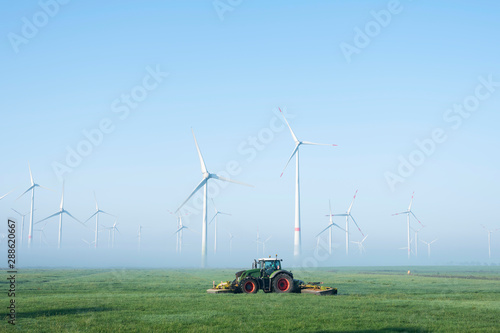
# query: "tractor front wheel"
283, 283
249, 286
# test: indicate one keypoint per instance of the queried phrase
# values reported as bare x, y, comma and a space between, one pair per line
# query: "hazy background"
227, 77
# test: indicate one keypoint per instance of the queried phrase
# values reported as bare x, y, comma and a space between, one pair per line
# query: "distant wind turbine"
139, 238
217, 212
230, 243
416, 231
264, 245
96, 214
32, 189
428, 247
22, 224
489, 238
88, 243
347, 216
330, 226
43, 238
60, 213
203, 184
360, 245
297, 243
408, 212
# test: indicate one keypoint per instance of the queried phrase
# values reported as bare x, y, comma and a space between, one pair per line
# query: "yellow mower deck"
315, 289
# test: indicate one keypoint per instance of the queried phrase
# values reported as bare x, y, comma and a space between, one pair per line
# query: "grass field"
431, 299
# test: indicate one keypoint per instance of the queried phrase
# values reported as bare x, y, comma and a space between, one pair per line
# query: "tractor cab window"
270, 266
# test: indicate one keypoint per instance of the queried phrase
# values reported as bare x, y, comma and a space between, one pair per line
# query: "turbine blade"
318, 144
322, 231
31, 175
74, 218
400, 213
200, 185
96, 205
335, 224
291, 156
29, 189
416, 218
213, 218
356, 225
62, 198
293, 134
17, 212
3, 196
48, 217
411, 201
91, 216
352, 202
229, 180
202, 161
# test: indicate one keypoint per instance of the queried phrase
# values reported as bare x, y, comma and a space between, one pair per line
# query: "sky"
104, 97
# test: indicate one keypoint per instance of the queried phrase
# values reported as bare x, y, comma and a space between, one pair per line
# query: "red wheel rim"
283, 284
249, 286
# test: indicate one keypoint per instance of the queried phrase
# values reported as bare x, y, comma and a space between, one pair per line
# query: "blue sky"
226, 79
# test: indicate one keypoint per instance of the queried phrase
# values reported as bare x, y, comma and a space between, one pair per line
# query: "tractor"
266, 274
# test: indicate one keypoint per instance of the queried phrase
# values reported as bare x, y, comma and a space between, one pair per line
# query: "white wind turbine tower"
258, 241
489, 239
408, 212
297, 246
416, 231
428, 247
203, 184
113, 229
217, 212
179, 232
330, 226
264, 245
43, 238
96, 214
60, 213
139, 238
32, 189
22, 224
360, 245
230, 243
347, 216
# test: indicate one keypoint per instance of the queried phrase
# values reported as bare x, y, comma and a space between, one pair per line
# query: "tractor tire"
283, 283
249, 286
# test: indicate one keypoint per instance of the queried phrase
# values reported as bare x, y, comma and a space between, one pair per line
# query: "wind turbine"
113, 229
297, 245
408, 212
139, 237
32, 189
217, 212
347, 216
264, 245
258, 241
43, 238
204, 184
330, 226
360, 245
22, 223
88, 243
428, 247
96, 214
60, 213
416, 239
230, 243
489, 239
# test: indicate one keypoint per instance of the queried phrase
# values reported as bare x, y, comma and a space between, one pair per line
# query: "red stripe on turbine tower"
297, 229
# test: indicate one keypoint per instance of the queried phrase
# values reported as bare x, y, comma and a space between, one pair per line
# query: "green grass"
431, 299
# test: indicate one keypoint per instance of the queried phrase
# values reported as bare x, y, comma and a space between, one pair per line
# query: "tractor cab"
269, 265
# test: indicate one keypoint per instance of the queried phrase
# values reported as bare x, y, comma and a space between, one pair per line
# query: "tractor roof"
270, 259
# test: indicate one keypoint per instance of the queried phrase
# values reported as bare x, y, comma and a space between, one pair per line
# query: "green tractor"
266, 274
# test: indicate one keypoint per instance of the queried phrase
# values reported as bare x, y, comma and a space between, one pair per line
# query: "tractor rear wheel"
283, 283
249, 286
